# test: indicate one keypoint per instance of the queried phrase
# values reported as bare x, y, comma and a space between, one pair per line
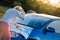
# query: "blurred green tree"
40, 7
36, 5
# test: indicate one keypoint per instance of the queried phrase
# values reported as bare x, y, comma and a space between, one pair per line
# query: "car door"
56, 26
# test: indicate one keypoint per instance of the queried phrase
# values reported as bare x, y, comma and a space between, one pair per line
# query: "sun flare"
54, 3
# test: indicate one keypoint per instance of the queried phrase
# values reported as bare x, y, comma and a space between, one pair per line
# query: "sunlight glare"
54, 1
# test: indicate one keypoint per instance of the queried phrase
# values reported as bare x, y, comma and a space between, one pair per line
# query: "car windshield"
36, 21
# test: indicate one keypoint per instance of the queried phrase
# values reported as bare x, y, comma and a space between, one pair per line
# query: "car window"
55, 25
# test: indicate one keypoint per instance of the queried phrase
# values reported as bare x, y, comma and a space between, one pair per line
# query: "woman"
9, 19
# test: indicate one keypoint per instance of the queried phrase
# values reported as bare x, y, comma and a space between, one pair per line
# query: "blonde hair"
19, 8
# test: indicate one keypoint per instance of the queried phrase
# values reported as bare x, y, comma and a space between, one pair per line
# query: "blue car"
40, 27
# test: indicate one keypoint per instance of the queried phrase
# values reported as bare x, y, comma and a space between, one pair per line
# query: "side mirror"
49, 29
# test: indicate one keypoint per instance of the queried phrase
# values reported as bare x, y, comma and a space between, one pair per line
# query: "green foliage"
40, 7
2, 10
57, 12
17, 3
